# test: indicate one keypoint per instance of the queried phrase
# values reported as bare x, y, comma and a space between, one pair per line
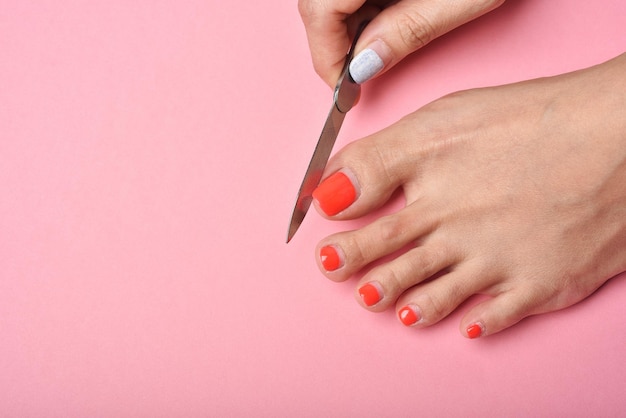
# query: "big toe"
361, 177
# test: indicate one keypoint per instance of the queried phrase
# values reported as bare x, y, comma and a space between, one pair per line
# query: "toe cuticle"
330, 258
336, 193
475, 330
409, 315
370, 293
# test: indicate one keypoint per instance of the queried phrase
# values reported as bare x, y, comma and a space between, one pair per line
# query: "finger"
329, 27
406, 26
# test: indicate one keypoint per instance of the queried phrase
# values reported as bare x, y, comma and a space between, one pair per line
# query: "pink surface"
150, 152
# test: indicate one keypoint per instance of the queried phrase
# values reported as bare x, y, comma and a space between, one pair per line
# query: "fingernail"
369, 62
409, 315
335, 193
330, 258
370, 294
475, 330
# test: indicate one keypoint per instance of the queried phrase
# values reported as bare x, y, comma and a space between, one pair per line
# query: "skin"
401, 27
517, 192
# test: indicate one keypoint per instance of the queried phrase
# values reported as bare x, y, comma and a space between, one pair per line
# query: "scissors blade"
316, 168
346, 95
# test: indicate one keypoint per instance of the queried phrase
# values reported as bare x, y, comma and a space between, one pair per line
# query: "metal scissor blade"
346, 95
316, 168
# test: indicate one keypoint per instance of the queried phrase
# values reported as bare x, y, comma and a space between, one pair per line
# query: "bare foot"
518, 192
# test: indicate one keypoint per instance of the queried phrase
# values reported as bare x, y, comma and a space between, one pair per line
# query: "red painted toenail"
335, 193
370, 294
408, 315
474, 331
330, 258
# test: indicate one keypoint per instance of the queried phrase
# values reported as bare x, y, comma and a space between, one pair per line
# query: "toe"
345, 253
361, 177
500, 312
393, 278
436, 299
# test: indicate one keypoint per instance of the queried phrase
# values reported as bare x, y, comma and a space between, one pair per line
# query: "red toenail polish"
335, 193
474, 331
408, 315
330, 258
370, 294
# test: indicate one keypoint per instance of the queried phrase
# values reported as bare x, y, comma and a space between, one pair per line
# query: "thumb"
406, 26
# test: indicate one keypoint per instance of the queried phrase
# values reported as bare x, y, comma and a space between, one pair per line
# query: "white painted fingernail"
365, 65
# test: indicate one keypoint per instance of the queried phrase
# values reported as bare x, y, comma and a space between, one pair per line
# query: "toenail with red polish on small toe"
370, 294
330, 258
335, 193
474, 331
409, 315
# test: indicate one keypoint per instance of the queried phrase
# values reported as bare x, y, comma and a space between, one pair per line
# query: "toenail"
475, 330
409, 315
335, 193
370, 294
330, 258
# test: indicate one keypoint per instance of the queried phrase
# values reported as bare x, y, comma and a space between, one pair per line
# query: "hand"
397, 28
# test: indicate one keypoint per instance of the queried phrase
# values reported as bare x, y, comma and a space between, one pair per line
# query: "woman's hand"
396, 29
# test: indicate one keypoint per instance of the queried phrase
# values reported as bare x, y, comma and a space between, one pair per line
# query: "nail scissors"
346, 95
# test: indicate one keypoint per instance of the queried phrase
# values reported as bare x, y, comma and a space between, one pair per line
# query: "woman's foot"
518, 192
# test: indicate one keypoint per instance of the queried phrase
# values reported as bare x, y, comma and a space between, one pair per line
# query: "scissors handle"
347, 91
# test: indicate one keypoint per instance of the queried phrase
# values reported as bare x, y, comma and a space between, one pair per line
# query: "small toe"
404, 272
499, 313
436, 299
345, 253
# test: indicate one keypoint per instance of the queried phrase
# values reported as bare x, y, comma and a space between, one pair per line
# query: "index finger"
329, 27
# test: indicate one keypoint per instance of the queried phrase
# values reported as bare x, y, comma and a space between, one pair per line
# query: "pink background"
150, 152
